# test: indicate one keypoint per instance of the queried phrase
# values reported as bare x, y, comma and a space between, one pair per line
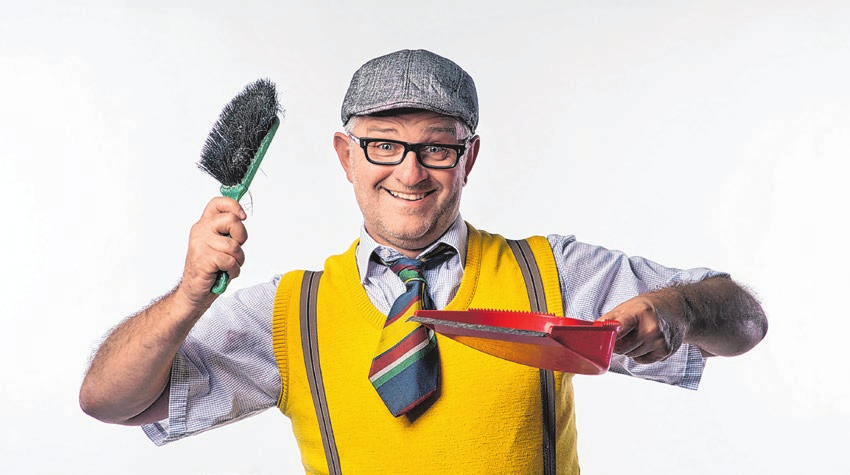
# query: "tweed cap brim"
412, 79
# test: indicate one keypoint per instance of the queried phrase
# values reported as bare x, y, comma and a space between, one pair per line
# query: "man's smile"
408, 196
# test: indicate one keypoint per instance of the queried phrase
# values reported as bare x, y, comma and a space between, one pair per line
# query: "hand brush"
237, 143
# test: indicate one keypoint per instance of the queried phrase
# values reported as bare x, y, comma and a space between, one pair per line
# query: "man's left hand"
644, 335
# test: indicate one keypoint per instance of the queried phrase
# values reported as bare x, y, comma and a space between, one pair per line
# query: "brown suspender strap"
310, 346
537, 297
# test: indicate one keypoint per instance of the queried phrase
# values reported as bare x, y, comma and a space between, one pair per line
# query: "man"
408, 148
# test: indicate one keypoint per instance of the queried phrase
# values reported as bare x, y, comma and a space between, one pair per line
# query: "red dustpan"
533, 339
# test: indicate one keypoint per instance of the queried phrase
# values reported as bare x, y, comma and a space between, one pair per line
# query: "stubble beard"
420, 236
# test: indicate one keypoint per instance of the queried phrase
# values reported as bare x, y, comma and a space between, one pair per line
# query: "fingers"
227, 254
649, 351
227, 225
627, 337
654, 356
225, 215
215, 245
223, 204
640, 336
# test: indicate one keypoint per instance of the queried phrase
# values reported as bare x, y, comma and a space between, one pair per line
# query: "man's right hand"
128, 379
215, 244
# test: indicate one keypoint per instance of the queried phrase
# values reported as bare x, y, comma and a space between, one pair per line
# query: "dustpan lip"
513, 320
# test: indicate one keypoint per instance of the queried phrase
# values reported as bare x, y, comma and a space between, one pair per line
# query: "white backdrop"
703, 133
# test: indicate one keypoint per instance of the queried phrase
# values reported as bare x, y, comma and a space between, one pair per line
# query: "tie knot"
408, 268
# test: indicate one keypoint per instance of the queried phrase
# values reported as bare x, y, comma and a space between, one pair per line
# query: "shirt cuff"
683, 369
173, 428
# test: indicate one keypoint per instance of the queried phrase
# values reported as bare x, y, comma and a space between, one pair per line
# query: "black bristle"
236, 135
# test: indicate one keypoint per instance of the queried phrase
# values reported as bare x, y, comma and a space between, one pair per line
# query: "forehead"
414, 122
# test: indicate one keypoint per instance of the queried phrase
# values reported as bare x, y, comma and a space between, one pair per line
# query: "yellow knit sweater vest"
487, 418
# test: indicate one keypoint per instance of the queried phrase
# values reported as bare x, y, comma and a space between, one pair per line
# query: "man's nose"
410, 171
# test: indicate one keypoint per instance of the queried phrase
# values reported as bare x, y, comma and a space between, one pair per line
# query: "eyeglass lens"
429, 154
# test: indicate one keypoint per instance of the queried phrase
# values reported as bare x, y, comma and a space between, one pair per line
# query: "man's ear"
342, 145
471, 156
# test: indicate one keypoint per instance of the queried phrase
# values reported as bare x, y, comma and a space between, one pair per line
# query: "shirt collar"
455, 236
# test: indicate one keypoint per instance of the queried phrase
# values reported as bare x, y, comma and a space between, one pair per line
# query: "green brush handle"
238, 190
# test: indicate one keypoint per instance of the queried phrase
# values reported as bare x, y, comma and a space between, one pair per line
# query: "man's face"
406, 206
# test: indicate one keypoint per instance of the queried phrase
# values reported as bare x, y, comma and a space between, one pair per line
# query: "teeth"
406, 196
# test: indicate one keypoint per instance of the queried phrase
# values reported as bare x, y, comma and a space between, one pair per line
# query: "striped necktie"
407, 368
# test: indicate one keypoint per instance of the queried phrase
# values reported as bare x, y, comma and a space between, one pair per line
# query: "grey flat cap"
417, 79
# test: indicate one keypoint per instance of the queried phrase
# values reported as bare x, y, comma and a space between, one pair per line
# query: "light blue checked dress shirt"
226, 370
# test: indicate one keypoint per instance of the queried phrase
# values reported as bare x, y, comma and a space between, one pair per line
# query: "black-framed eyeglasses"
392, 152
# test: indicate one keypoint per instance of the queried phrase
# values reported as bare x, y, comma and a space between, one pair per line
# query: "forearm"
716, 315
131, 369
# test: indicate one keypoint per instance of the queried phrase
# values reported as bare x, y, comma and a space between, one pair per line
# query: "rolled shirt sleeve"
226, 369
594, 280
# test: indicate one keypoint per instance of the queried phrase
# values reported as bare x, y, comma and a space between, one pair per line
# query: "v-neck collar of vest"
461, 300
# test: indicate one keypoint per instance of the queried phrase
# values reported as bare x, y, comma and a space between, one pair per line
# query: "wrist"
673, 314
190, 305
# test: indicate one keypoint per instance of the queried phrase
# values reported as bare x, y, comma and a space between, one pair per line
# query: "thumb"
627, 322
